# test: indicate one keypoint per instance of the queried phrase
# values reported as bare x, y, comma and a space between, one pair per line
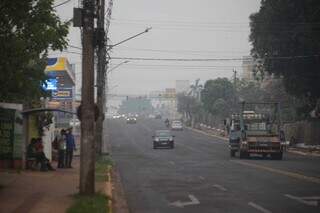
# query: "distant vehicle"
167, 122
158, 116
152, 116
257, 131
74, 122
131, 120
163, 138
176, 125
116, 116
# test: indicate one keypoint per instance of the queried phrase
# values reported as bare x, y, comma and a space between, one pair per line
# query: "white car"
176, 125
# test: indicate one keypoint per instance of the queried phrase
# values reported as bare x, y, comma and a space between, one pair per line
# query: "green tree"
250, 91
189, 106
28, 29
219, 90
286, 38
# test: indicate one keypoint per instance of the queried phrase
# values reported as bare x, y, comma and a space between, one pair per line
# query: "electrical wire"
208, 59
58, 5
76, 47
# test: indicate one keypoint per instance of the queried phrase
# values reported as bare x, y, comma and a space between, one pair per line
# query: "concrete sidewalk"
38, 192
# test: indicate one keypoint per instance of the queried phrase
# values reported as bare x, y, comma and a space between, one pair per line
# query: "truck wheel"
232, 153
277, 156
172, 145
243, 155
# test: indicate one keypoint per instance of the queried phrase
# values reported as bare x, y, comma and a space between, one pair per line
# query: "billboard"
63, 94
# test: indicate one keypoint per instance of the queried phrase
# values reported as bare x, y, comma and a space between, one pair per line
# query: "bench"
32, 163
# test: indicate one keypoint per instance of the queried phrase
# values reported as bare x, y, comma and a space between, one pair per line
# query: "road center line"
220, 187
202, 178
260, 208
172, 163
278, 171
310, 201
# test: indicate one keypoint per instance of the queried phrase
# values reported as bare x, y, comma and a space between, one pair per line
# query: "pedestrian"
71, 146
41, 157
61, 148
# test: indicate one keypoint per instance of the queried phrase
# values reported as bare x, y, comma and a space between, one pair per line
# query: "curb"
109, 189
225, 139
208, 134
119, 204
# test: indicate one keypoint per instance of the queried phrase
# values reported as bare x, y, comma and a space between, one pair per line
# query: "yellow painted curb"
281, 172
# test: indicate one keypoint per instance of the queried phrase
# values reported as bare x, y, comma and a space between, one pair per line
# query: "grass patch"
97, 203
103, 164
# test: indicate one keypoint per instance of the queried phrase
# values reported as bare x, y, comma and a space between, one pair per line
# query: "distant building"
182, 86
247, 68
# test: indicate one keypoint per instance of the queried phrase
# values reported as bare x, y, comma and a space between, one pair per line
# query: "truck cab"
260, 131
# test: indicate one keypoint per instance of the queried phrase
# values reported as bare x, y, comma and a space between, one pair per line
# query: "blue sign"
50, 84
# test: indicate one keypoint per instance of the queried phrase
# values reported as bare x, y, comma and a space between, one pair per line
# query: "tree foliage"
187, 104
218, 92
28, 29
285, 34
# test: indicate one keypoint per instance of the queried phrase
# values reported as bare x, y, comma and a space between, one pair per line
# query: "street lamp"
118, 65
109, 47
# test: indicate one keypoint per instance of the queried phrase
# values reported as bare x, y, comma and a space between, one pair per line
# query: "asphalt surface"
198, 175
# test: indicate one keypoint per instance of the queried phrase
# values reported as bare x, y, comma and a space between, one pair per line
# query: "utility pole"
87, 112
101, 75
235, 86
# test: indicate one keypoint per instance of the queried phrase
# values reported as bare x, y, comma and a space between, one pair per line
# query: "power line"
177, 51
208, 59
177, 59
217, 23
76, 47
58, 5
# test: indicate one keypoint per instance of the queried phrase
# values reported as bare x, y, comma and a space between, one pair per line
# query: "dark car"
158, 116
163, 138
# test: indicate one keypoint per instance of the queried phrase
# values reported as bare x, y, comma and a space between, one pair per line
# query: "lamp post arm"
145, 31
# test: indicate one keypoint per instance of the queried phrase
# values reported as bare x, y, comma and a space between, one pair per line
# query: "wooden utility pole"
101, 76
87, 150
103, 28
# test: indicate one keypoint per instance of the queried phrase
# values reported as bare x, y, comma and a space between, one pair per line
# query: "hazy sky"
184, 29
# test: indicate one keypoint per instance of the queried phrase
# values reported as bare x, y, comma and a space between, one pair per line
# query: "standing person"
61, 148
71, 146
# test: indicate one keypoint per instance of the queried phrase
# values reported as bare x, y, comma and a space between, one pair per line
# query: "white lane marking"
202, 178
172, 163
220, 187
180, 204
260, 208
310, 201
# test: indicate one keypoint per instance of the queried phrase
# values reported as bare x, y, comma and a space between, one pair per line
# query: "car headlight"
244, 142
171, 139
156, 139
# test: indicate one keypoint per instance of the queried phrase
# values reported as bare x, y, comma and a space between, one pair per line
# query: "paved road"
198, 175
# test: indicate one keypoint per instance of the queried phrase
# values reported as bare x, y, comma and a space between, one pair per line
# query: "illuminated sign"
50, 84
63, 93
